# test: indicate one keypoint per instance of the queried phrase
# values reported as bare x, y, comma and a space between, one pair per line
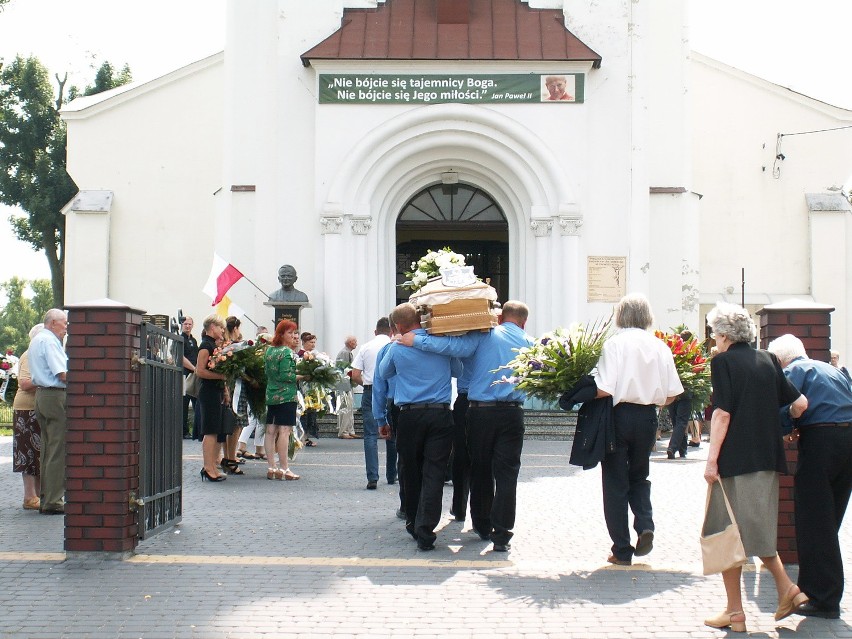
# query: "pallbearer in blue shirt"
424, 435
495, 419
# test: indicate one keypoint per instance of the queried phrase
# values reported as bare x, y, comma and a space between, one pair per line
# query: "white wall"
156, 146
750, 218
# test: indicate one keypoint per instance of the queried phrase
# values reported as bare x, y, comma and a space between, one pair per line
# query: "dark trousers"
461, 457
822, 489
393, 416
495, 441
625, 475
679, 412
424, 440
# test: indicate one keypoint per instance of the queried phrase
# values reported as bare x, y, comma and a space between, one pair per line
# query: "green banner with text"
352, 88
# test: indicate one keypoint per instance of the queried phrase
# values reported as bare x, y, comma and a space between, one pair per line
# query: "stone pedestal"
287, 310
811, 323
102, 444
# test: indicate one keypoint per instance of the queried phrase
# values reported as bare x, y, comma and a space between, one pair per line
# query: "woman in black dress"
746, 455
212, 397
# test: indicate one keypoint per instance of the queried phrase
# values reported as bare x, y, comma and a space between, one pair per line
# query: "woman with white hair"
746, 454
26, 433
637, 370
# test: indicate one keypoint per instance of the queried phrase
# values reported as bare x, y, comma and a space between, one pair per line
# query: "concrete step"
538, 424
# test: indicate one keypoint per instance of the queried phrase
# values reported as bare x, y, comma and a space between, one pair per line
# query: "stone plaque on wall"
607, 278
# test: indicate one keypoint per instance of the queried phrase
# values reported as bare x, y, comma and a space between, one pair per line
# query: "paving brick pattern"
324, 557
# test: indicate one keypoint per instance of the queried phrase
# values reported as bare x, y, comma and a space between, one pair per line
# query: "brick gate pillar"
811, 323
102, 445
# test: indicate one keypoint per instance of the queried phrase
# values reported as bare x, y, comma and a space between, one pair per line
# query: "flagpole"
251, 320
255, 285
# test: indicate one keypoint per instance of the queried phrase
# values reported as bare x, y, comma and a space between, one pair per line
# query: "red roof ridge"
493, 30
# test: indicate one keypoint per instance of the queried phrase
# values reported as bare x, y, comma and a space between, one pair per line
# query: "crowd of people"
759, 397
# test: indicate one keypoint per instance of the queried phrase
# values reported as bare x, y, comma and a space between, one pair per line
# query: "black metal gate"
160, 503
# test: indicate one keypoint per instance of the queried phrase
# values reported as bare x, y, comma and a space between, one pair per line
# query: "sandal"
274, 473
289, 475
232, 467
246, 455
259, 456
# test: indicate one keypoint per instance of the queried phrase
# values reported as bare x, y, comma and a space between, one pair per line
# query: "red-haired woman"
281, 380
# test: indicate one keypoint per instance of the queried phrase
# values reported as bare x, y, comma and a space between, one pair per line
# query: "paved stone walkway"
325, 557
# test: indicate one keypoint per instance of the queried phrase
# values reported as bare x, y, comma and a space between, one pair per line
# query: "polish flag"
226, 308
222, 277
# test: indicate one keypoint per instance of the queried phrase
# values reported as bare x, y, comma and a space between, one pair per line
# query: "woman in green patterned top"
281, 380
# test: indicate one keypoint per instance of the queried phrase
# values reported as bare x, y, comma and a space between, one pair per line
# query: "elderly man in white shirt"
637, 370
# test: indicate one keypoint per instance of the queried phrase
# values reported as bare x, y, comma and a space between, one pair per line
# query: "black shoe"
400, 514
425, 547
391, 482
52, 510
205, 476
682, 455
670, 454
371, 485
483, 536
694, 444
645, 544
809, 609
502, 547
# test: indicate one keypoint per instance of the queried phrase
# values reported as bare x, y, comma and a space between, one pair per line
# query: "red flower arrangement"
692, 365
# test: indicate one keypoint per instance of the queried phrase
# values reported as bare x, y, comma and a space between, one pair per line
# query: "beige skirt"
754, 500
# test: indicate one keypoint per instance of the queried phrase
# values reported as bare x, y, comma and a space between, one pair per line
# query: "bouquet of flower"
557, 360
323, 377
244, 361
8, 377
692, 367
429, 266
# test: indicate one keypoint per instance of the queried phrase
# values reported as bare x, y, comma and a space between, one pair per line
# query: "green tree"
108, 78
33, 155
20, 314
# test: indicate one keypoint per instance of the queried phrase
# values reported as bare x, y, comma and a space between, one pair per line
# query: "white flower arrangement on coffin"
449, 296
429, 267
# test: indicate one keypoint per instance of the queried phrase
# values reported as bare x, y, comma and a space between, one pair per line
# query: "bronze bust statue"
287, 293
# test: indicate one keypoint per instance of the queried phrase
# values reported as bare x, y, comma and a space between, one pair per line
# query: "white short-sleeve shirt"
637, 368
365, 358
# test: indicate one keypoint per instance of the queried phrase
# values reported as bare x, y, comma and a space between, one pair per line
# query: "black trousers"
461, 457
393, 416
624, 474
424, 439
822, 489
679, 411
495, 442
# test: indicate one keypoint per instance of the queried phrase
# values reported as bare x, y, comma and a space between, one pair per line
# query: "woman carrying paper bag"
746, 455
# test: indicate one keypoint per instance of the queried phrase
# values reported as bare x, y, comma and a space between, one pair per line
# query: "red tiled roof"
489, 30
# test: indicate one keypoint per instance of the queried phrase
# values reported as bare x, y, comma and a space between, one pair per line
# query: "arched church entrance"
463, 217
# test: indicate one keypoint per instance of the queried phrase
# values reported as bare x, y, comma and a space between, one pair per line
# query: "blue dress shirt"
421, 378
483, 354
828, 390
383, 389
47, 360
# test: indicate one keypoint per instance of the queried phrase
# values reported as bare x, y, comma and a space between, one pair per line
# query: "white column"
569, 270
364, 312
335, 309
544, 283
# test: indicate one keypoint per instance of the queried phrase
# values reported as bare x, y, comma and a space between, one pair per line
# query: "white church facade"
346, 137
